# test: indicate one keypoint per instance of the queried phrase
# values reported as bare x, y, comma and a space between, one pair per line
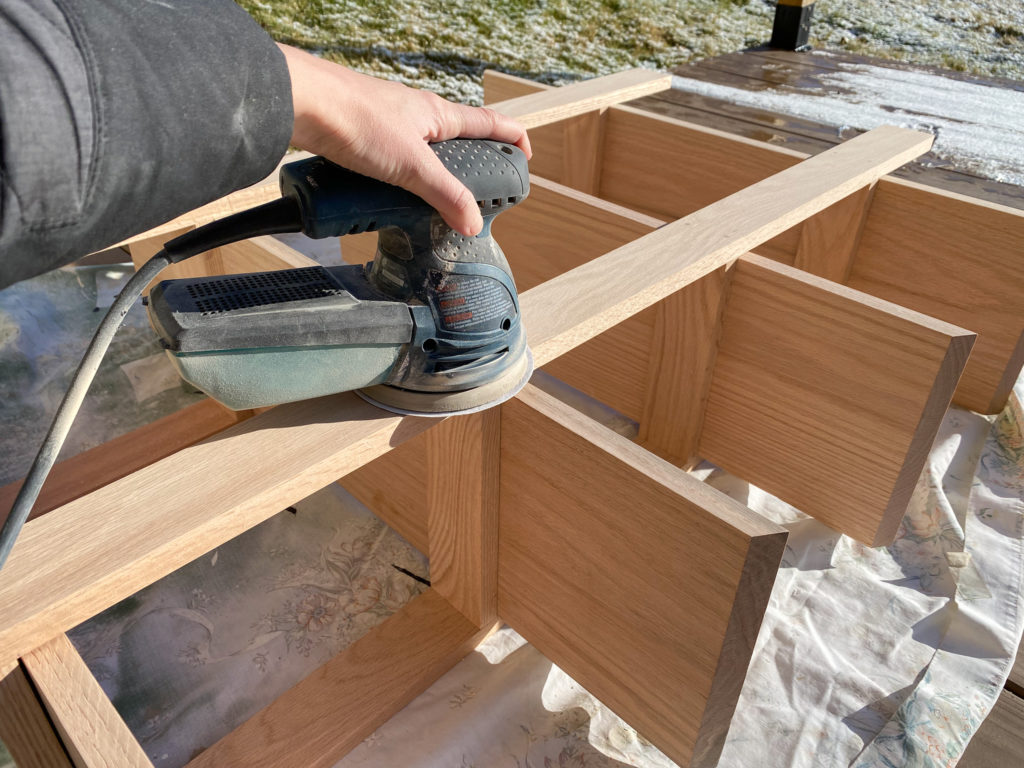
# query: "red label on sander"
470, 302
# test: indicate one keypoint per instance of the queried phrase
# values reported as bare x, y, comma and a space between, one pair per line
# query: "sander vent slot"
244, 291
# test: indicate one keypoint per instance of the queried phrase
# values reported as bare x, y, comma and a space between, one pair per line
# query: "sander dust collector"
430, 327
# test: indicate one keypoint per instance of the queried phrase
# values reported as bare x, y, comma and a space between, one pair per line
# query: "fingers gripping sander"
430, 326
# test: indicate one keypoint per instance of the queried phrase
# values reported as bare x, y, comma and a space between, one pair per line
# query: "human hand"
381, 129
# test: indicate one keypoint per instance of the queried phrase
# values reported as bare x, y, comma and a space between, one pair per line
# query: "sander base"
408, 402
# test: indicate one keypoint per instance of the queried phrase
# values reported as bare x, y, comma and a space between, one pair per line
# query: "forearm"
117, 116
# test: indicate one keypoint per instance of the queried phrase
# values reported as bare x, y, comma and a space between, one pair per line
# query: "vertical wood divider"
680, 368
829, 240
463, 457
91, 729
583, 151
25, 728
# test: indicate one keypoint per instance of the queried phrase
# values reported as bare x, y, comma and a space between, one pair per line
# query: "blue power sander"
430, 327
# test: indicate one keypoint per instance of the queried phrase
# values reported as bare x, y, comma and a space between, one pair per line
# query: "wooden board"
25, 728
1000, 739
679, 581
75, 561
316, 722
585, 96
93, 732
680, 368
595, 296
462, 513
828, 398
393, 487
123, 455
956, 259
937, 252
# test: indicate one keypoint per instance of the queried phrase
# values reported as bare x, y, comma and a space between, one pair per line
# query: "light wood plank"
578, 98
1000, 739
827, 397
123, 455
462, 513
682, 362
829, 241
681, 582
25, 728
958, 259
85, 556
597, 295
260, 254
90, 727
331, 711
584, 151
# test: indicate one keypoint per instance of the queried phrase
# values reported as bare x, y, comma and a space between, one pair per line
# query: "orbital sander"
430, 326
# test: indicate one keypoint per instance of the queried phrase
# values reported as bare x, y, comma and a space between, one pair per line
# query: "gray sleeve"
118, 115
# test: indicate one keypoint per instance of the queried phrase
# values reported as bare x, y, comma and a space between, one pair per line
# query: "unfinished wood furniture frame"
942, 254
490, 488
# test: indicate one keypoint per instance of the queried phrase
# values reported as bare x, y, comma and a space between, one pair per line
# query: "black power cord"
271, 218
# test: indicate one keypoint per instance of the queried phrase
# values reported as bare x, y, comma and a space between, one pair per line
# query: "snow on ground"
978, 128
445, 46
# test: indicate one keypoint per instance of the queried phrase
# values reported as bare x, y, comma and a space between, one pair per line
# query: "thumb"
429, 179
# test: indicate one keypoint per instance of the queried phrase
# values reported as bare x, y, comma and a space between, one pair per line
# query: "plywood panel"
827, 397
327, 714
609, 555
956, 259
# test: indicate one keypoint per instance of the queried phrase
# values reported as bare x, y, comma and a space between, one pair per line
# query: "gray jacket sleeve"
118, 115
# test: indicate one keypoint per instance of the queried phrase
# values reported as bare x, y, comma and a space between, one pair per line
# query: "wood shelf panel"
679, 577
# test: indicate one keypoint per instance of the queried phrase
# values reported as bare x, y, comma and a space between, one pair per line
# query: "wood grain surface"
319, 720
462, 513
91, 729
123, 455
642, 583
25, 728
827, 397
680, 368
87, 555
957, 259
999, 742
943, 254
556, 104
595, 296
